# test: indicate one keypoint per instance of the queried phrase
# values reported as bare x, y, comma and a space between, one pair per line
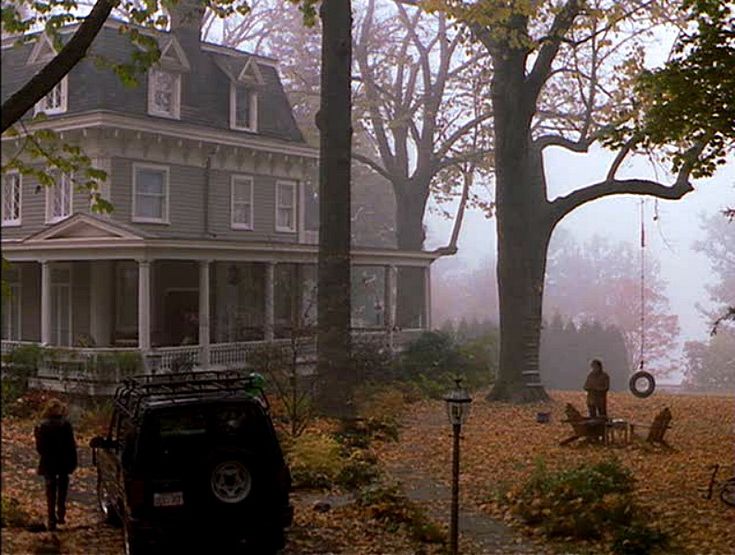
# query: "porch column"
45, 302
204, 314
389, 313
270, 300
144, 305
427, 298
100, 306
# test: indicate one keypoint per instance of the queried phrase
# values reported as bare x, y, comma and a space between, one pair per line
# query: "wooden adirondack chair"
592, 429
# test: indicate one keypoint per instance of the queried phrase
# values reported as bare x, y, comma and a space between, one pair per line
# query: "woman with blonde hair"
57, 450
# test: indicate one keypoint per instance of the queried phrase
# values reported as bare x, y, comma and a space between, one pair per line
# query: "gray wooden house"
211, 247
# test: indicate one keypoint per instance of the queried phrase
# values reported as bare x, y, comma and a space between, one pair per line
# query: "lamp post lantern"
458, 409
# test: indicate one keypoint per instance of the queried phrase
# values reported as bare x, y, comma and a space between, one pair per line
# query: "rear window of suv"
177, 438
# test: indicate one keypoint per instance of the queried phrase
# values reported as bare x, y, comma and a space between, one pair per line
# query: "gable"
83, 226
173, 56
43, 50
250, 74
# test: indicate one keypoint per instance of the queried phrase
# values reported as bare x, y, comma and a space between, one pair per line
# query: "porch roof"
89, 237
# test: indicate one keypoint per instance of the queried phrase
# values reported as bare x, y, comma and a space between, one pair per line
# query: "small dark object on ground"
322, 506
543, 417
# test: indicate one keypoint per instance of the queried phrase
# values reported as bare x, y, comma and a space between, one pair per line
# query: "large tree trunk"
524, 228
410, 235
333, 291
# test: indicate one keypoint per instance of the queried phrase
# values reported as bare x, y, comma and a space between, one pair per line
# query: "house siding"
33, 209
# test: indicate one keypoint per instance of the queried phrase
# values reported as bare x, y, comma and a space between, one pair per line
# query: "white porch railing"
172, 359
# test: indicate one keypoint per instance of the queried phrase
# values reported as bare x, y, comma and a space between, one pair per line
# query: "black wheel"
727, 493
107, 504
642, 384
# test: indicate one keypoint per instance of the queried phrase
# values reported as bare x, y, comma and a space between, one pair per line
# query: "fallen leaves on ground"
342, 529
502, 444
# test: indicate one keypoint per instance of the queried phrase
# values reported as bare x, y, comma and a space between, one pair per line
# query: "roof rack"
187, 385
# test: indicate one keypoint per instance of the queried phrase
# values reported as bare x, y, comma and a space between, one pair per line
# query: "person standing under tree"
57, 450
596, 386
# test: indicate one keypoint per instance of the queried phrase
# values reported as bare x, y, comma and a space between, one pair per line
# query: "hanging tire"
635, 380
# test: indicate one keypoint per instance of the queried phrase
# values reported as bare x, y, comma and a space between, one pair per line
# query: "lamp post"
458, 409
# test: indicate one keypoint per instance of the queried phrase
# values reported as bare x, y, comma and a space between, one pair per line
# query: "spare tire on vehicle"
635, 384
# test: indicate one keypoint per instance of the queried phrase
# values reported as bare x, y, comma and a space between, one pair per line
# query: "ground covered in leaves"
503, 446
343, 529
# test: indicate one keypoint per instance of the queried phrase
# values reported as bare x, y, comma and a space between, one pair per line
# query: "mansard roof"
207, 73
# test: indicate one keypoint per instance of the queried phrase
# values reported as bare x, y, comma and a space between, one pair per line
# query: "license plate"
171, 499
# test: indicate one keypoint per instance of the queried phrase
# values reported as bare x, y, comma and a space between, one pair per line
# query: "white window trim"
233, 223
294, 206
14, 222
253, 98
142, 219
50, 218
40, 105
177, 95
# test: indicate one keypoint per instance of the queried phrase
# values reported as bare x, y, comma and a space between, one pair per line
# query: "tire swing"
642, 384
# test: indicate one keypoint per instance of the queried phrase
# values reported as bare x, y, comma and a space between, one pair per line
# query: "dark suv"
193, 457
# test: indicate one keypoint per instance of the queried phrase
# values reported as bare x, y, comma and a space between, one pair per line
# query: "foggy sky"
670, 240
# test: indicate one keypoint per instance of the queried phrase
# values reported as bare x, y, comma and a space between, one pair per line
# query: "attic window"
164, 93
55, 101
243, 108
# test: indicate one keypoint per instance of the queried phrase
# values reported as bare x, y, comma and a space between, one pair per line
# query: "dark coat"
597, 385
56, 446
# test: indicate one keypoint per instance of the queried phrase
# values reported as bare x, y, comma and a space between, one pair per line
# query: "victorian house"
211, 245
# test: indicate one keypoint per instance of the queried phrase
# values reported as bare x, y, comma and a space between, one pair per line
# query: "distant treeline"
566, 349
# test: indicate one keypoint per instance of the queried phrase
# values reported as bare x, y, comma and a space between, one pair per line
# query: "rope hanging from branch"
641, 375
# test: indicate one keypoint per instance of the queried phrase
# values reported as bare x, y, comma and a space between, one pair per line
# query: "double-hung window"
55, 101
164, 93
286, 206
11, 198
243, 108
150, 194
241, 202
59, 198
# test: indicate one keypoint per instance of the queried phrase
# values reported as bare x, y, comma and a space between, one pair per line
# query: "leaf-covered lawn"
502, 444
343, 529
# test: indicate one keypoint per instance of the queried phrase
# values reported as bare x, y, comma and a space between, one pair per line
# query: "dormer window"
55, 101
243, 108
164, 93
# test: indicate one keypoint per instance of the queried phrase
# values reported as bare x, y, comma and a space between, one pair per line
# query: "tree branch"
372, 164
54, 71
542, 66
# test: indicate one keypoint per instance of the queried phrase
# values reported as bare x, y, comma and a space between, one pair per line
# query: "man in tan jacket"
596, 386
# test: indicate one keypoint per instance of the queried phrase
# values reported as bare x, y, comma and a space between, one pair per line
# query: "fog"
670, 239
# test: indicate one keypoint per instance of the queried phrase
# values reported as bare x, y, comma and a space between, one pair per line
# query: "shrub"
13, 515
582, 502
359, 470
315, 460
96, 417
386, 503
637, 539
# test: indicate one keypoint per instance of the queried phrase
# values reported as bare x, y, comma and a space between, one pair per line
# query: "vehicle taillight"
136, 493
